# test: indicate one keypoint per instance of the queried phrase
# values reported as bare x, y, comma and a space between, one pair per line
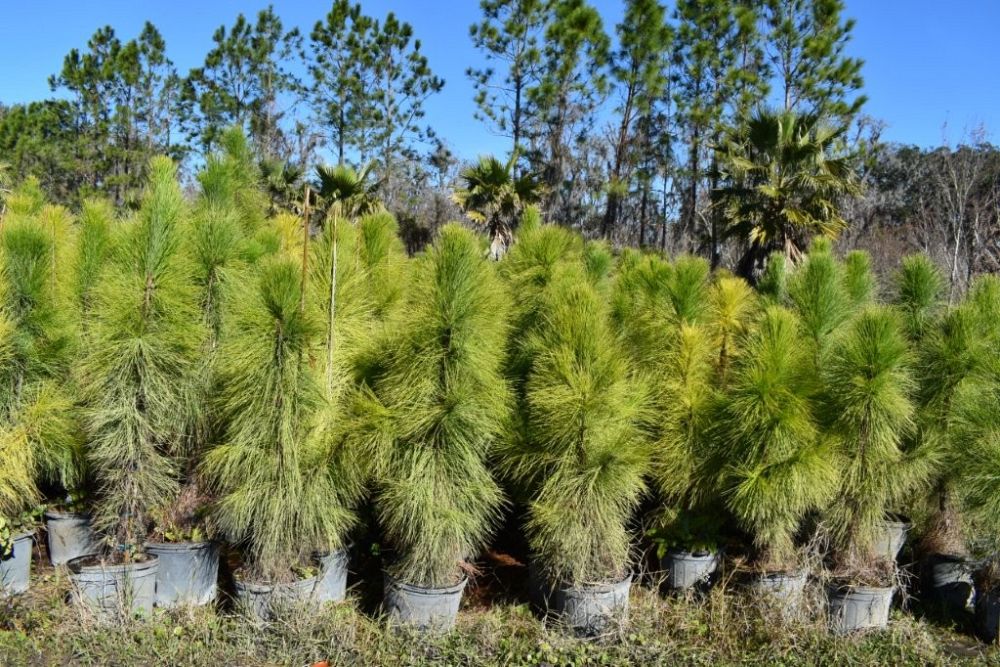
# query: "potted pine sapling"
661, 311
867, 409
216, 241
68, 523
143, 342
918, 295
687, 532
775, 465
275, 497
583, 414
976, 425
431, 403
957, 378
39, 437
355, 283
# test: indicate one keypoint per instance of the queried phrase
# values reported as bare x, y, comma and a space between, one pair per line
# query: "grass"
722, 628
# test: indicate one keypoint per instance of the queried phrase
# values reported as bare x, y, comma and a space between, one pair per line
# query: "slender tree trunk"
642, 215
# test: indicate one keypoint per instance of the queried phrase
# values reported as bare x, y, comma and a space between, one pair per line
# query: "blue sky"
927, 62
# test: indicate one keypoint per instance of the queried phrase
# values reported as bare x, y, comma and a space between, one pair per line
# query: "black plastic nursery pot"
114, 590
70, 535
855, 608
423, 608
331, 584
892, 536
949, 582
988, 615
688, 570
188, 574
594, 609
265, 601
15, 569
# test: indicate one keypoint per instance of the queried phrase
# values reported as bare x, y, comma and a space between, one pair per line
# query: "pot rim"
181, 546
58, 515
597, 587
392, 582
258, 587
76, 565
847, 589
700, 555
800, 573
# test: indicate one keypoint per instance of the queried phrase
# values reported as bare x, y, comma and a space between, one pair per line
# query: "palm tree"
493, 196
282, 181
785, 173
346, 191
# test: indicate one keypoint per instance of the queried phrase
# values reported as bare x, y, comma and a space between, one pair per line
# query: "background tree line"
669, 129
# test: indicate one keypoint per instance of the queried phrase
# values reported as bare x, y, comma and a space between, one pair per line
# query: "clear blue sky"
927, 62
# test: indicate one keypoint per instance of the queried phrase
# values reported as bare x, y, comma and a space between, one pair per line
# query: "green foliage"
93, 249
868, 408
122, 105
585, 457
139, 365
773, 283
976, 458
641, 304
732, 308
527, 270
683, 405
859, 282
688, 288
339, 46
820, 298
38, 433
777, 465
919, 290
270, 469
509, 36
432, 404
806, 50
240, 83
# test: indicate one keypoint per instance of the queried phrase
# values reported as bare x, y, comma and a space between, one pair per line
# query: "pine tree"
572, 85
868, 410
139, 367
341, 71
271, 471
509, 34
241, 83
639, 70
431, 405
39, 432
806, 43
589, 456
778, 467
717, 69
402, 82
